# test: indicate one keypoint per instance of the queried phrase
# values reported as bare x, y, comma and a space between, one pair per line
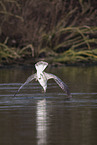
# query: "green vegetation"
59, 31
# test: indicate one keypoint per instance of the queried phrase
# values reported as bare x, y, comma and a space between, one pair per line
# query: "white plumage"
42, 78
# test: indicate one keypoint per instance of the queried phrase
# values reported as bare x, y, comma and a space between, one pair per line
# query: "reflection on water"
31, 118
41, 122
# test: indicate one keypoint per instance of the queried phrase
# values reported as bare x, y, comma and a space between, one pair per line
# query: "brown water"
32, 118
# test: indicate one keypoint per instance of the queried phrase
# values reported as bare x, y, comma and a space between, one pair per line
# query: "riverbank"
60, 32
31, 62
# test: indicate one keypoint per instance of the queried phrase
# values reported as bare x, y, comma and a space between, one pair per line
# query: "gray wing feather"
59, 82
29, 79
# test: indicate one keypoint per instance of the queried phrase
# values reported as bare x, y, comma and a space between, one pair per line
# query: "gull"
42, 77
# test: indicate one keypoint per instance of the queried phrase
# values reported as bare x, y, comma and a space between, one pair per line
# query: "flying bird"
42, 77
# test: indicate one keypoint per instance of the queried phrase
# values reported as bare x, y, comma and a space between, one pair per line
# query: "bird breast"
42, 79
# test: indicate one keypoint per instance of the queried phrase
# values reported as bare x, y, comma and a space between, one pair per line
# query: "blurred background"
53, 30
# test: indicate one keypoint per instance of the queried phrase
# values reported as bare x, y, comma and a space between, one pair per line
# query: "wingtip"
70, 96
15, 94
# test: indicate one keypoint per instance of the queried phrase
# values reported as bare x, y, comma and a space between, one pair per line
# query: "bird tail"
41, 65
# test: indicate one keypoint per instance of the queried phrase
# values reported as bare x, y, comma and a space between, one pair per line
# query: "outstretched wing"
29, 79
59, 82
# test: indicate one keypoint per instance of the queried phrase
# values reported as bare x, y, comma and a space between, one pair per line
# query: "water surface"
32, 118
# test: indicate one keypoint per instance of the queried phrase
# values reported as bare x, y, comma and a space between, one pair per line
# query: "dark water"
32, 118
